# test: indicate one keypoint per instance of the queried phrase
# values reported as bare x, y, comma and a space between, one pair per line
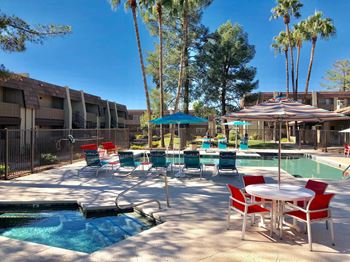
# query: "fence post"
32, 149
97, 137
71, 145
6, 153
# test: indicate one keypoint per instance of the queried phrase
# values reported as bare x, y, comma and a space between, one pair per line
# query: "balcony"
91, 117
9, 110
50, 113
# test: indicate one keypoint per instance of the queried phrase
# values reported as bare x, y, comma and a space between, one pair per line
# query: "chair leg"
244, 225
309, 235
332, 230
229, 216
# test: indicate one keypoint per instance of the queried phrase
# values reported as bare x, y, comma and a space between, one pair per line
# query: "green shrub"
137, 147
218, 136
155, 143
139, 136
284, 139
232, 136
48, 159
2, 169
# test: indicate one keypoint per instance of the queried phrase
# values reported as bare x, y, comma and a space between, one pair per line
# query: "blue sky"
100, 56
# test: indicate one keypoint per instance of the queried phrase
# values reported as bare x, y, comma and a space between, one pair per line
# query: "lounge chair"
158, 160
110, 147
222, 144
192, 161
93, 161
227, 161
206, 143
243, 146
126, 159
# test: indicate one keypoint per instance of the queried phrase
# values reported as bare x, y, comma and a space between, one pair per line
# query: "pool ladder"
132, 205
345, 174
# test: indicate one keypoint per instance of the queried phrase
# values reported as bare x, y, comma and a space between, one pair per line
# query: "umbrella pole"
279, 154
178, 130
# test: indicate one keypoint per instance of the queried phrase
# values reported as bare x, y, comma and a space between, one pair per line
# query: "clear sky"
100, 56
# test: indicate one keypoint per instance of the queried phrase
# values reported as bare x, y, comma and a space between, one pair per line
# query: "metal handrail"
343, 174
132, 205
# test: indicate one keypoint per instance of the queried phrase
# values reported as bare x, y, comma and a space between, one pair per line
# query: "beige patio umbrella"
282, 110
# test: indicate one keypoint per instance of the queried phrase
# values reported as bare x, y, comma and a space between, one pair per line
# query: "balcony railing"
9, 110
50, 113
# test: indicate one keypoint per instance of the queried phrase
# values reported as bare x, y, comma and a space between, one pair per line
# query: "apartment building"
199, 129
27, 103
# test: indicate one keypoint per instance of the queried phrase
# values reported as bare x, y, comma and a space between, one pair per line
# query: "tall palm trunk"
297, 69
314, 39
161, 88
287, 72
133, 8
291, 58
182, 62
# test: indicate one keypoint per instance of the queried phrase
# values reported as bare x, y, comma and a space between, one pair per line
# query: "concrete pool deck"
194, 227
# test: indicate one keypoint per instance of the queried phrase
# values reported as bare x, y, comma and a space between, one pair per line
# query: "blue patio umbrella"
178, 118
237, 123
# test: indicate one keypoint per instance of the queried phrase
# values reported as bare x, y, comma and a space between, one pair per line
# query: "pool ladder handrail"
132, 205
346, 169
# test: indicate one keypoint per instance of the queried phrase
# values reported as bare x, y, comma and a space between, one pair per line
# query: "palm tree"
132, 4
317, 26
299, 37
286, 9
281, 45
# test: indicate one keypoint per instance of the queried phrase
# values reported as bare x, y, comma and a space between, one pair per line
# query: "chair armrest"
295, 207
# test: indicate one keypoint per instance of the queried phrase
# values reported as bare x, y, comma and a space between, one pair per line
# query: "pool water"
298, 167
70, 230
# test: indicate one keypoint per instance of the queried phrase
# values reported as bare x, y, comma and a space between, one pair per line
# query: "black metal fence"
31, 150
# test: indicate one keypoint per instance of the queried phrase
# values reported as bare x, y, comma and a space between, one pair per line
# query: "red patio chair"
346, 150
239, 203
110, 147
253, 180
317, 186
317, 209
88, 147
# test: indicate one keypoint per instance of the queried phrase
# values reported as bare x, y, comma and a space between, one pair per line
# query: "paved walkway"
195, 225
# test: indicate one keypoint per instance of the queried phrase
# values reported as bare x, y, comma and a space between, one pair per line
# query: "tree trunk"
291, 56
183, 54
149, 114
161, 88
223, 112
182, 63
287, 72
310, 67
297, 70
186, 85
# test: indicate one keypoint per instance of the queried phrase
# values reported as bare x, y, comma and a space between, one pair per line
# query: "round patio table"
279, 195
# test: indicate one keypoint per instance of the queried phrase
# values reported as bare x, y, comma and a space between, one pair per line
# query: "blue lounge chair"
227, 161
222, 144
93, 161
243, 146
192, 161
158, 160
206, 143
126, 160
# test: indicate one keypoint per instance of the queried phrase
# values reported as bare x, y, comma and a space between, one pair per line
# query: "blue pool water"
70, 230
298, 167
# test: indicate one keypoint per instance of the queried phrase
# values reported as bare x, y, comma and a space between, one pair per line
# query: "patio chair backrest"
320, 201
206, 143
126, 158
236, 195
108, 145
252, 180
158, 158
89, 147
227, 160
92, 158
316, 186
191, 159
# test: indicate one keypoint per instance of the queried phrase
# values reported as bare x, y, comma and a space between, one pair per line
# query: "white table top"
284, 193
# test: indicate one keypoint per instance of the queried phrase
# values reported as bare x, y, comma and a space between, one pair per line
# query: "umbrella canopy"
345, 131
286, 111
280, 110
237, 123
178, 118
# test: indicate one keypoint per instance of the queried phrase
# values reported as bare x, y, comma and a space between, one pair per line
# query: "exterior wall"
54, 106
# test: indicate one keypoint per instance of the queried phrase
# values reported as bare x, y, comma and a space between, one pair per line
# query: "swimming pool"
300, 166
69, 229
